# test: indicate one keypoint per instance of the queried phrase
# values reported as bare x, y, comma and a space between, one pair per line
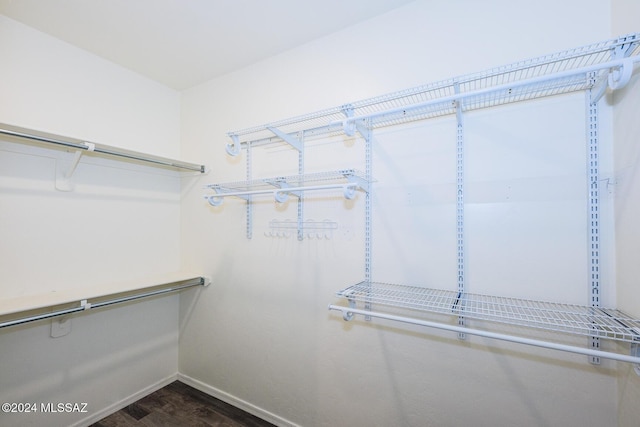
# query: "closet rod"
86, 305
24, 133
281, 194
348, 312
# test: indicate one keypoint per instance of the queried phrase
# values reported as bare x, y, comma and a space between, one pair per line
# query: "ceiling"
181, 43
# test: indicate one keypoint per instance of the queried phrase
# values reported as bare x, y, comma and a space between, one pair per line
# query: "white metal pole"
492, 335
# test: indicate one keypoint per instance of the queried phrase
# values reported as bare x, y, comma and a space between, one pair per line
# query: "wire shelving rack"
557, 317
594, 68
348, 180
597, 65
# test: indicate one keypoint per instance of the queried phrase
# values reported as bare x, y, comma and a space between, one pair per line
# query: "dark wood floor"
179, 405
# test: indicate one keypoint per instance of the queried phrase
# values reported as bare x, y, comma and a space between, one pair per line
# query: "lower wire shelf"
564, 318
72, 303
349, 180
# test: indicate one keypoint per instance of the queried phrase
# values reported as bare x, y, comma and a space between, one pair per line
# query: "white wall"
626, 104
262, 337
121, 222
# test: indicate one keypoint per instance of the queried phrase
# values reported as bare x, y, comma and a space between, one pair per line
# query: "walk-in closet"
362, 213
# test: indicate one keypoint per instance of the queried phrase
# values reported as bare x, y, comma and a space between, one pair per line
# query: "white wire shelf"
347, 180
567, 71
20, 134
25, 309
565, 318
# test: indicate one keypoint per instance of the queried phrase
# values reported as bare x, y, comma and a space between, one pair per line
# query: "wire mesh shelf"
558, 317
562, 72
342, 176
348, 180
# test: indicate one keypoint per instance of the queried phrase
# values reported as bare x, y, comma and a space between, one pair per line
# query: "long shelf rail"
347, 180
572, 70
634, 357
99, 302
571, 319
567, 318
85, 146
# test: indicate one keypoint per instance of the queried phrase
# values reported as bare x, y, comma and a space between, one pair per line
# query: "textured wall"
626, 104
261, 335
121, 222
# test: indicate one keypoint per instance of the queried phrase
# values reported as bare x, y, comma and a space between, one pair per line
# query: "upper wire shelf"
558, 317
348, 180
84, 146
598, 64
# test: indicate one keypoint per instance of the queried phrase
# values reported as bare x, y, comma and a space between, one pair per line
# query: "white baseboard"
115, 407
238, 403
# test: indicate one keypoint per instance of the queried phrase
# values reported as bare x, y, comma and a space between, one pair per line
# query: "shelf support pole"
249, 207
593, 201
301, 197
365, 131
298, 144
367, 134
460, 205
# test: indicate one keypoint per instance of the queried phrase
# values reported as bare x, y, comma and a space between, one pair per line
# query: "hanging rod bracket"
620, 76
282, 194
294, 142
347, 314
349, 127
214, 201
233, 149
217, 199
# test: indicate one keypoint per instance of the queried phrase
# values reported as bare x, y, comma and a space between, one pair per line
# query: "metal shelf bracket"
294, 142
351, 126
359, 182
66, 165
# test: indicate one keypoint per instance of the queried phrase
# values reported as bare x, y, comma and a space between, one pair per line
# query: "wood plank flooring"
179, 405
